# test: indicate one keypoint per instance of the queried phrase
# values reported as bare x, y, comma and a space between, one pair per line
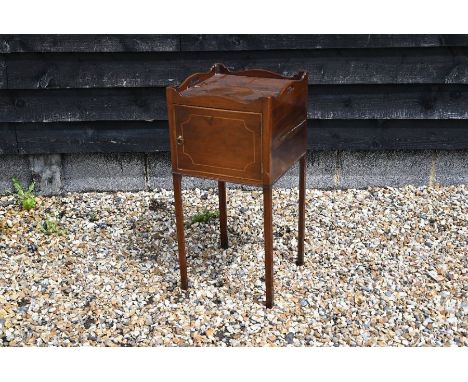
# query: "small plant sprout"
204, 216
50, 227
93, 217
26, 198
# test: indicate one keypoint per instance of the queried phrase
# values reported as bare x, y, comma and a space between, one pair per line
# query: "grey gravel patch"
112, 278
103, 172
13, 165
452, 167
290, 178
321, 169
361, 169
159, 171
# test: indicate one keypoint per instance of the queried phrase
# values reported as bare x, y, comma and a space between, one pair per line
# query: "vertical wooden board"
8, 143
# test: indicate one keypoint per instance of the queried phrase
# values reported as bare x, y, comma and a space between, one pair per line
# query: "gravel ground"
383, 266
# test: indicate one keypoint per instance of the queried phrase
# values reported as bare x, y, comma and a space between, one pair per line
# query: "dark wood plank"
332, 66
88, 43
8, 143
123, 136
281, 41
388, 102
387, 134
74, 105
102, 137
152, 43
98, 70
148, 104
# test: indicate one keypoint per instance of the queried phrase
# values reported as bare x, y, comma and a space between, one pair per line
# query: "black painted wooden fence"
97, 93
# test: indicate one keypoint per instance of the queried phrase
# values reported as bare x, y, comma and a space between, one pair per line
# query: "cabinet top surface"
241, 88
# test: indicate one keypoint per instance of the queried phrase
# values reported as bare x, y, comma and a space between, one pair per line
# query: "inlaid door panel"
218, 142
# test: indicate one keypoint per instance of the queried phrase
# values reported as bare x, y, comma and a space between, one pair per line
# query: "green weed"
50, 227
26, 198
204, 216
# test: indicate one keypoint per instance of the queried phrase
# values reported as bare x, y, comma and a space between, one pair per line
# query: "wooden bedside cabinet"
245, 127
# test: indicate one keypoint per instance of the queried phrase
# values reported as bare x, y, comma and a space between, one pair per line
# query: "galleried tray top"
240, 86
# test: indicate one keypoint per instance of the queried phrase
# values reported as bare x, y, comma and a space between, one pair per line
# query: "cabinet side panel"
289, 129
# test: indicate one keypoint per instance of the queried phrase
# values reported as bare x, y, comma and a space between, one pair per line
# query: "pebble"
383, 267
433, 275
290, 338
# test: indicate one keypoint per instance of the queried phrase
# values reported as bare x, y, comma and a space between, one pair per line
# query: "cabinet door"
215, 142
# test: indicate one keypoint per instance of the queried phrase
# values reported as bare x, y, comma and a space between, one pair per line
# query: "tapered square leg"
301, 226
177, 180
268, 233
223, 214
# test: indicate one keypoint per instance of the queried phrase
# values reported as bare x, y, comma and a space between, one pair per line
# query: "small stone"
32, 247
433, 275
304, 302
293, 242
149, 320
209, 332
452, 320
290, 338
209, 294
197, 338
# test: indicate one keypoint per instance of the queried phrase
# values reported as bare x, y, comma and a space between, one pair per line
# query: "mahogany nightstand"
245, 127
